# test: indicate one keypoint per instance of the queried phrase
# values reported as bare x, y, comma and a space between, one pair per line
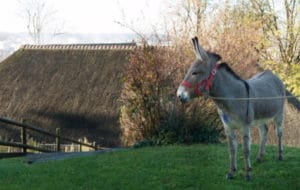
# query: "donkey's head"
198, 79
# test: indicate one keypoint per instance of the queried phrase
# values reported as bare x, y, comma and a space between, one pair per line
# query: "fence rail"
24, 145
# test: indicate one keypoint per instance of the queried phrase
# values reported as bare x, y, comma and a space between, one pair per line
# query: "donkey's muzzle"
182, 99
182, 94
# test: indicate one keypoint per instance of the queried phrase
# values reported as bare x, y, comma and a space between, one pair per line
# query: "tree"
280, 28
38, 15
186, 18
280, 49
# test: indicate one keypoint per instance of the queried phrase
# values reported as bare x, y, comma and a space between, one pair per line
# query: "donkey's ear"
199, 51
195, 41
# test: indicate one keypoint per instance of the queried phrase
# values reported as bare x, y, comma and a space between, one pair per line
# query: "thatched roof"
74, 87
114, 46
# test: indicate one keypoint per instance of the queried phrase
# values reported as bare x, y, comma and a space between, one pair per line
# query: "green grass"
172, 167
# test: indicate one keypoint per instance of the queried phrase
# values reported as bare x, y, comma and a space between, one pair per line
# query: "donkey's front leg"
232, 144
246, 150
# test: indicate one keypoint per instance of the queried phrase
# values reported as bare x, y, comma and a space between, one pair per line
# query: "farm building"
74, 87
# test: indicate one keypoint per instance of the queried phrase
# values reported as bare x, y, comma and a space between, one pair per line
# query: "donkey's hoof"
229, 176
280, 158
248, 177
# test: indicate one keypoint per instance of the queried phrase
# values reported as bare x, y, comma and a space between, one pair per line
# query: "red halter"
207, 82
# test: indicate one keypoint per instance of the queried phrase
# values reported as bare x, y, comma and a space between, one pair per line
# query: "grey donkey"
236, 101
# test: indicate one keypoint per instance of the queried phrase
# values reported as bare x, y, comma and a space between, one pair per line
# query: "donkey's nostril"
181, 98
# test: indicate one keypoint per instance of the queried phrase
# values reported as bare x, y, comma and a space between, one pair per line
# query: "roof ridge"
91, 46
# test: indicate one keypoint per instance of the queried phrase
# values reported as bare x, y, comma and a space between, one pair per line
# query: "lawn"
172, 167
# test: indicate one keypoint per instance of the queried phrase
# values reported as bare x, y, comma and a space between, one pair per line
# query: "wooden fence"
24, 127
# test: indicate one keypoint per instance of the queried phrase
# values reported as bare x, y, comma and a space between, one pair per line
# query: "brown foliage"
145, 93
150, 107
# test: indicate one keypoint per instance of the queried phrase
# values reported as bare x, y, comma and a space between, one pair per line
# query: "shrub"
150, 114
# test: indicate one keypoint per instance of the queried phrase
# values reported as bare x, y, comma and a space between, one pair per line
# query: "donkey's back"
268, 93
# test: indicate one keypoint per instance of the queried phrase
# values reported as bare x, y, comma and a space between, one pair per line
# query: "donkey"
241, 103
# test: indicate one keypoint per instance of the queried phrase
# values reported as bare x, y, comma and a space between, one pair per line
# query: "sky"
86, 16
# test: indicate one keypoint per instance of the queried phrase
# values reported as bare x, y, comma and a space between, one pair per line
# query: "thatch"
70, 87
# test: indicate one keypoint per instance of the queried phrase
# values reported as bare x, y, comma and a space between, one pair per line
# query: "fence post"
80, 146
57, 139
24, 136
94, 144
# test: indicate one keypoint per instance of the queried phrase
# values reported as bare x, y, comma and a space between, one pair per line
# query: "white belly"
231, 122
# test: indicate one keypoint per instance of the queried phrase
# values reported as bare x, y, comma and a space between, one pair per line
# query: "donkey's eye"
195, 73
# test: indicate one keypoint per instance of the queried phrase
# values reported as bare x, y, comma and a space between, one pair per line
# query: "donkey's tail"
293, 100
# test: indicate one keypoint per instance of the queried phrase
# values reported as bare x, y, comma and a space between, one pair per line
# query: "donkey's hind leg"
278, 121
232, 144
246, 150
263, 132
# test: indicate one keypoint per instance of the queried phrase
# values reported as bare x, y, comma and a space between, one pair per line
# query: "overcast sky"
87, 16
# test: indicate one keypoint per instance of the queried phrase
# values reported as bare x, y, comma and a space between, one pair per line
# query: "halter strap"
206, 82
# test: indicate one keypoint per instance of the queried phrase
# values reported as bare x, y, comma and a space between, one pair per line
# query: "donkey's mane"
214, 55
226, 66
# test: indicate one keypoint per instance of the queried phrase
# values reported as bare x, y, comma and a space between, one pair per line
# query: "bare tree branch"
38, 15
